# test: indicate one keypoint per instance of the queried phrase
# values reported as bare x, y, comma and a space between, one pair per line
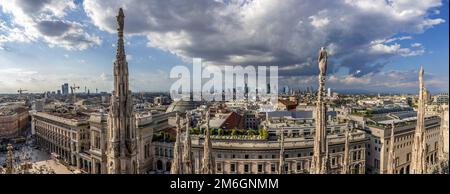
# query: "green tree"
233, 132
264, 134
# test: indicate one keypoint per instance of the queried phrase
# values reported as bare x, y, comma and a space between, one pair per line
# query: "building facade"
13, 121
258, 156
64, 135
404, 131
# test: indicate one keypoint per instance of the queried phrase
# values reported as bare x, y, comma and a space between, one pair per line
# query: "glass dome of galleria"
182, 106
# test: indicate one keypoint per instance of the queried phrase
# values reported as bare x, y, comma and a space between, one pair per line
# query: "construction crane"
72, 90
20, 91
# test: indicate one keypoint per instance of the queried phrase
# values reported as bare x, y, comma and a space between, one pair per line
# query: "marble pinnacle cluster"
182, 157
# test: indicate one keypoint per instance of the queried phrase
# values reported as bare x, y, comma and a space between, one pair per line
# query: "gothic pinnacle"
187, 157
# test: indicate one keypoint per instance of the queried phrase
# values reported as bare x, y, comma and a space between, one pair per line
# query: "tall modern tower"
65, 89
320, 138
122, 151
418, 155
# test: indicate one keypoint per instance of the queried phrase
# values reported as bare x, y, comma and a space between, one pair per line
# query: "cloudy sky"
374, 45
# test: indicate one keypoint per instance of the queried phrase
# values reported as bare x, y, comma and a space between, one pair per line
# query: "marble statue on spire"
323, 57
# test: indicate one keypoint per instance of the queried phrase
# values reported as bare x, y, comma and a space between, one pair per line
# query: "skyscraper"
65, 89
122, 151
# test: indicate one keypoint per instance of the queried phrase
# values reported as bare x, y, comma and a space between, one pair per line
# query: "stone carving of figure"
323, 61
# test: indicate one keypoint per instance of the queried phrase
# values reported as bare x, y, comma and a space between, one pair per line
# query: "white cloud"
105, 77
319, 22
391, 80
272, 32
416, 44
380, 47
44, 20
129, 57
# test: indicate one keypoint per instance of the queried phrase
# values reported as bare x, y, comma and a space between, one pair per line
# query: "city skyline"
47, 43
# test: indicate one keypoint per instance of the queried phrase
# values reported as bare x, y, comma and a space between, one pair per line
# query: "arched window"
159, 165
168, 166
356, 170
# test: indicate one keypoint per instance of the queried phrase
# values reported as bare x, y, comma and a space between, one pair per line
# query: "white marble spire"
187, 156
320, 138
391, 164
122, 145
418, 155
281, 169
176, 167
208, 160
346, 159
